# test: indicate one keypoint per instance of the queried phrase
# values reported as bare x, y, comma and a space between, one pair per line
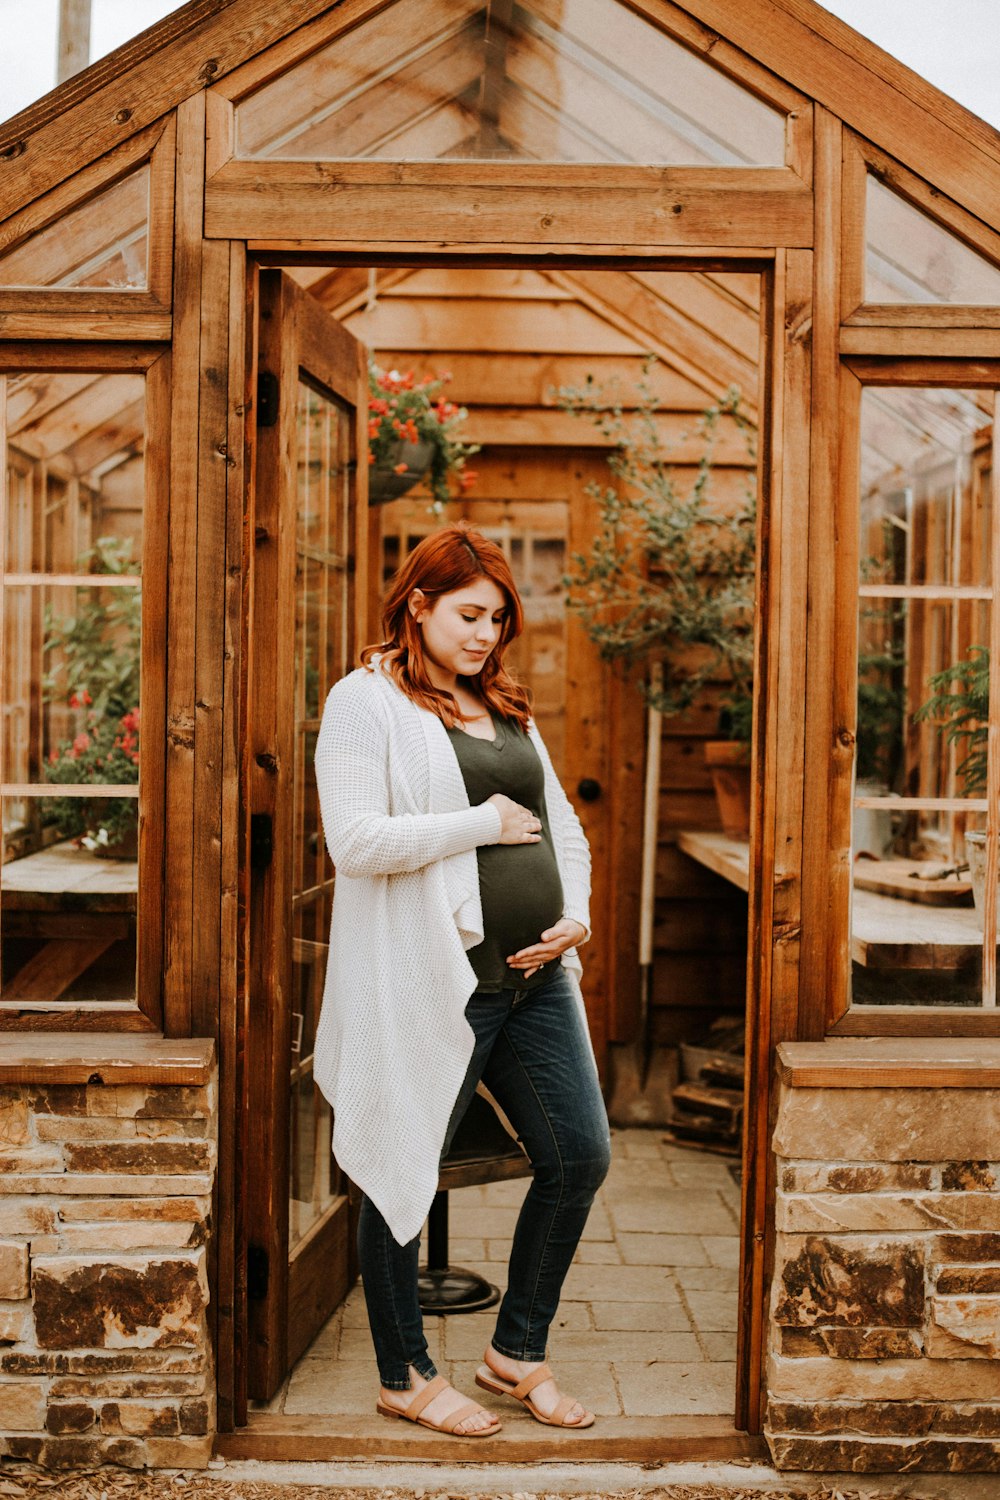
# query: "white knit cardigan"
393, 1044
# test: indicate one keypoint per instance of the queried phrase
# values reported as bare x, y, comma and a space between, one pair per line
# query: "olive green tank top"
519, 884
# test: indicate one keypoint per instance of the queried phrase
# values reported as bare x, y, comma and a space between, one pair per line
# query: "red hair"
443, 562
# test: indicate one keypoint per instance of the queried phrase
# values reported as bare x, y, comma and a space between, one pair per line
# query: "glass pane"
324, 437
71, 614
102, 244
71, 674
911, 258
421, 81
925, 487
916, 936
923, 694
67, 916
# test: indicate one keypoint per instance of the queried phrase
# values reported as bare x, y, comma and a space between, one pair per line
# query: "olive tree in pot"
669, 578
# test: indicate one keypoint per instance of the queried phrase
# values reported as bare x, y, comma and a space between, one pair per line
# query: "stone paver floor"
647, 1324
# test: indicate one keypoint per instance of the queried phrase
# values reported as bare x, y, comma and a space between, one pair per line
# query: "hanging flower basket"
404, 465
413, 435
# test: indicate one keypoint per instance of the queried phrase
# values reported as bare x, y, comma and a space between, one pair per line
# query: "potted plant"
92, 666
960, 708
413, 434
670, 574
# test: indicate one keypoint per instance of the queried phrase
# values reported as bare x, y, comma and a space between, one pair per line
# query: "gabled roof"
797, 40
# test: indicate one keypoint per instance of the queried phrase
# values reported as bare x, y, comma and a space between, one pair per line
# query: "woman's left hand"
554, 941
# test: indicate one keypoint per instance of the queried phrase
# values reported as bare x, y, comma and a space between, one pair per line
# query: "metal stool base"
455, 1290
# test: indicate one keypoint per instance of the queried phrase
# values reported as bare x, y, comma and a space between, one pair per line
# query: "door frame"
784, 427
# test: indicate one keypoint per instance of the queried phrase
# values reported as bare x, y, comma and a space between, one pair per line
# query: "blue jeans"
533, 1055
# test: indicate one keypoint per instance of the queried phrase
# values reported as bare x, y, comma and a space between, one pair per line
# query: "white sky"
955, 44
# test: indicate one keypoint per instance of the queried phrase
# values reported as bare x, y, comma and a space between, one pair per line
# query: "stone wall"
885, 1314
105, 1207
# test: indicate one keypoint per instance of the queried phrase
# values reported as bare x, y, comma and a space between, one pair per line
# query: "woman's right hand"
517, 824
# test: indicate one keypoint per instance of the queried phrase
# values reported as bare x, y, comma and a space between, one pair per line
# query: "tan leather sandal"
488, 1380
424, 1397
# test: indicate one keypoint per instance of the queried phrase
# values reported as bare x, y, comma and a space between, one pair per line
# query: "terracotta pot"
729, 763
385, 484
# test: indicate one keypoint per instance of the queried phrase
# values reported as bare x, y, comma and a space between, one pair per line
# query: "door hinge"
261, 840
258, 1272
267, 398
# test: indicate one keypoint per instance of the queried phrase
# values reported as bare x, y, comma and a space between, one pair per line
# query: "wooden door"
308, 493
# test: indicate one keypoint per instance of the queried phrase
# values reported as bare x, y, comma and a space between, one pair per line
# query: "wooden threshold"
319, 1439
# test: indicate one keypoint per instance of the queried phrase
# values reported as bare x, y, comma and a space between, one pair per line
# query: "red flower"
400, 468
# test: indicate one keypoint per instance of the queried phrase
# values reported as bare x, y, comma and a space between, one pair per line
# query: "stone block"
69, 1416
15, 1322
894, 1213
876, 1178
972, 1320
197, 1418
942, 1345
138, 1101
850, 1343
59, 1128
92, 1239
129, 1209
848, 1283
966, 1279
883, 1380
891, 1125
106, 1185
143, 1157
970, 1176
139, 1419
854, 1456
109, 1387
26, 1216
13, 1270
965, 1247
19, 1161
15, 1117
99, 1362
913, 1419
23, 1405
136, 1301
179, 1452
58, 1099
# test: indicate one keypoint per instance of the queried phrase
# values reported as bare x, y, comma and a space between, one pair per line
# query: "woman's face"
460, 629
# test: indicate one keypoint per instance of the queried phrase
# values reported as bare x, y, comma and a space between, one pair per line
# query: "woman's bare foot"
440, 1408
545, 1396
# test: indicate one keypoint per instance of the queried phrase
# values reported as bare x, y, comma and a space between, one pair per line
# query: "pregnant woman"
462, 894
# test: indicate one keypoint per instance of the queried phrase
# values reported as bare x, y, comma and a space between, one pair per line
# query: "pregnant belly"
521, 893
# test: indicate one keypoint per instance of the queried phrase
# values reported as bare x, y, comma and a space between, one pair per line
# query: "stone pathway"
647, 1324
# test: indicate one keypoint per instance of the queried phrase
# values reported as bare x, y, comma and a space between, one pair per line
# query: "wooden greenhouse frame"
217, 222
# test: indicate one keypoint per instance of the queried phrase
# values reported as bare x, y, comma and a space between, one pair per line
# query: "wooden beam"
682, 344
444, 202
519, 427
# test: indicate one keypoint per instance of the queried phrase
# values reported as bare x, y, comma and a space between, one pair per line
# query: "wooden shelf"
886, 932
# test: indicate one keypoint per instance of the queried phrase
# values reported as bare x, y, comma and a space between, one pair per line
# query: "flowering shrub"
401, 410
92, 662
106, 750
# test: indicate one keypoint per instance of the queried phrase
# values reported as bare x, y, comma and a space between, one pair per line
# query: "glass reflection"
533, 81
923, 694
70, 745
102, 245
910, 258
324, 435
